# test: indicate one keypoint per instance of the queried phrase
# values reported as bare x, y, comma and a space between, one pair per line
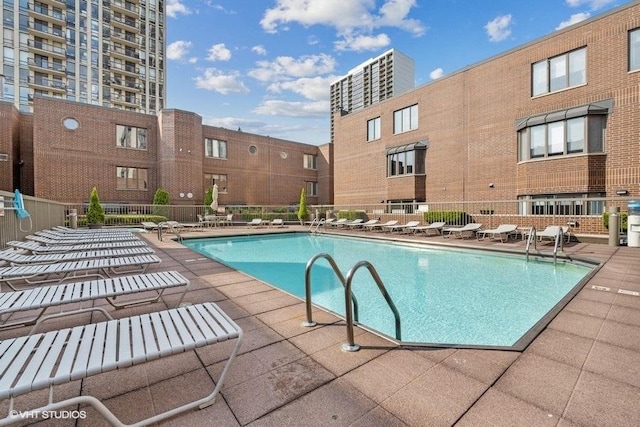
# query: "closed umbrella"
214, 196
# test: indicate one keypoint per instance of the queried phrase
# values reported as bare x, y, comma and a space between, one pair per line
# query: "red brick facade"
469, 120
64, 165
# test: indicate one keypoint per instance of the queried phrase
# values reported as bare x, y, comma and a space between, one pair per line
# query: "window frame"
311, 188
136, 138
132, 175
213, 146
222, 180
633, 56
310, 161
573, 63
373, 129
406, 163
405, 119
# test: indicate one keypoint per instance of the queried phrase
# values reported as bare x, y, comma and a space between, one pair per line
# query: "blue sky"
265, 66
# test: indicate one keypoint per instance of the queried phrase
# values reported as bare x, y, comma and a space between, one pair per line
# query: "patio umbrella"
214, 196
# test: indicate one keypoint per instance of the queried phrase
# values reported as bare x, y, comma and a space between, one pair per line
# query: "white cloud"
216, 80
363, 43
352, 19
592, 4
260, 50
436, 74
175, 8
314, 88
574, 19
499, 29
285, 67
293, 109
219, 52
178, 50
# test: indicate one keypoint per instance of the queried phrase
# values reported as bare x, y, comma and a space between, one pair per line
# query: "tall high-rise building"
101, 52
375, 80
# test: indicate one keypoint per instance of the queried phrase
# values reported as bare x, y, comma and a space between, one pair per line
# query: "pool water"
444, 296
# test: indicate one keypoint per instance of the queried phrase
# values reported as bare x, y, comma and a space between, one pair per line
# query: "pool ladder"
559, 239
351, 303
315, 225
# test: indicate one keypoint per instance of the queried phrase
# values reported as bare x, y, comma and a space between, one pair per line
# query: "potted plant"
303, 212
95, 213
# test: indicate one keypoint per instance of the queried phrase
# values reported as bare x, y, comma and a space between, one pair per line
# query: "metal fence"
585, 216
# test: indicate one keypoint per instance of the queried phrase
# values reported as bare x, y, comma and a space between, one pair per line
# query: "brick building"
554, 118
66, 148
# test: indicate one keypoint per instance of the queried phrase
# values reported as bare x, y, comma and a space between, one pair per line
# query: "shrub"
351, 215
303, 212
95, 212
450, 217
160, 202
208, 199
623, 220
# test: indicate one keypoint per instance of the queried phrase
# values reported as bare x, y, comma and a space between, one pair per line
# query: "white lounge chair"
44, 361
277, 222
79, 240
402, 227
43, 297
503, 231
52, 234
465, 232
101, 267
550, 233
380, 226
338, 223
328, 222
37, 248
18, 258
255, 222
355, 223
360, 225
434, 227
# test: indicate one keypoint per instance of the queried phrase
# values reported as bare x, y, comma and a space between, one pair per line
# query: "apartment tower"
375, 80
101, 52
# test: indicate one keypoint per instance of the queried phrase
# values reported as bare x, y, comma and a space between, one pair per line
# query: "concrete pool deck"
582, 370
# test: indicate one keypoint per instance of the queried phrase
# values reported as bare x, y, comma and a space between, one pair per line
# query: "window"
310, 161
211, 179
131, 178
312, 189
373, 129
578, 130
131, 137
562, 204
215, 148
406, 119
559, 72
406, 160
634, 50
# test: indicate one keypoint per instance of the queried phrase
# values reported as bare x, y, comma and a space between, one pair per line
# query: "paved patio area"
582, 370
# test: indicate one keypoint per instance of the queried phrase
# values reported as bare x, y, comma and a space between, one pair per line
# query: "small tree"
160, 202
208, 198
95, 213
303, 212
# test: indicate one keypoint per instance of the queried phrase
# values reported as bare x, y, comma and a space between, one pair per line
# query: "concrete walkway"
582, 370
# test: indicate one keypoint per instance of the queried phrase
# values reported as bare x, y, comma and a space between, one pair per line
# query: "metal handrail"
307, 286
532, 237
350, 345
559, 241
320, 222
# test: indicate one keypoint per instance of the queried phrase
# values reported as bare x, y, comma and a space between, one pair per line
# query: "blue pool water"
444, 296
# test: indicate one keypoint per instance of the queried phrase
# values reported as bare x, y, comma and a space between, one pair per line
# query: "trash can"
73, 218
633, 224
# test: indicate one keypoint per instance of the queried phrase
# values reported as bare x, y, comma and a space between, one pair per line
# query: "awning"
420, 145
602, 107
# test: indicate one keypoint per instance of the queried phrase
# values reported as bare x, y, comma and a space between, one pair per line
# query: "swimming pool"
444, 296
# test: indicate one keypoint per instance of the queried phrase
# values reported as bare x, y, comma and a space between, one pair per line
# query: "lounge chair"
465, 232
57, 272
380, 226
46, 360
149, 225
52, 234
503, 231
434, 227
402, 227
338, 223
18, 258
351, 224
255, 222
550, 233
328, 221
277, 222
363, 224
37, 248
43, 297
75, 240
